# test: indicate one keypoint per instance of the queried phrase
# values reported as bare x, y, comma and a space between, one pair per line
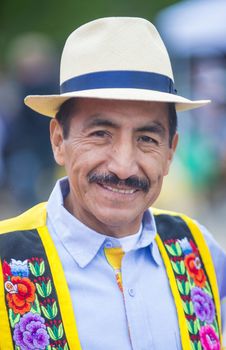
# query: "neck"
113, 230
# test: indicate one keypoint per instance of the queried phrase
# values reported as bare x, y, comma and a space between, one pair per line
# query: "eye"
147, 139
99, 133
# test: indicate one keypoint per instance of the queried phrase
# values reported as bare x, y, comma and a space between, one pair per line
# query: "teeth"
119, 190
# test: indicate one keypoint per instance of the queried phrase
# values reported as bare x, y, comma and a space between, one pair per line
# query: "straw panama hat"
120, 58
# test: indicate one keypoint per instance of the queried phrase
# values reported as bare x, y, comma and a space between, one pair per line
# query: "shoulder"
219, 258
31, 219
217, 253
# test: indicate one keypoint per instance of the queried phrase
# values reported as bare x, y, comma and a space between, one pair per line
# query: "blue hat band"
119, 79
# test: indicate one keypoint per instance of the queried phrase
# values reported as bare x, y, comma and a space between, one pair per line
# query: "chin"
119, 218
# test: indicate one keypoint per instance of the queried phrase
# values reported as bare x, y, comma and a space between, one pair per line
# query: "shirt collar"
82, 242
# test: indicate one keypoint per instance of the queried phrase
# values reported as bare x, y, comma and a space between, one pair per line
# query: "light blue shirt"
146, 317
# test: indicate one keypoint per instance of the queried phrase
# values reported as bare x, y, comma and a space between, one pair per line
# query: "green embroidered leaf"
170, 249
60, 331
183, 287
66, 347
51, 334
194, 327
32, 269
188, 307
180, 287
190, 280
44, 288
54, 309
17, 347
178, 249
49, 347
45, 312
198, 324
191, 308
175, 267
48, 288
57, 332
14, 318
189, 326
193, 346
199, 346
39, 289
187, 288
185, 307
50, 311
207, 289
42, 268
182, 268
35, 308
178, 267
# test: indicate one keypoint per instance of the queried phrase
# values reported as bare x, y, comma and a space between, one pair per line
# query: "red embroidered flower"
193, 265
194, 248
20, 301
6, 270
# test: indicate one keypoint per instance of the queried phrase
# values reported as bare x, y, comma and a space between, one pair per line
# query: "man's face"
115, 156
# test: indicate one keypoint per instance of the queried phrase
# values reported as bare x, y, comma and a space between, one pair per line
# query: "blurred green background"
59, 18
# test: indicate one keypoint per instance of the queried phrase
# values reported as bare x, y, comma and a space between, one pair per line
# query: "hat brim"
49, 105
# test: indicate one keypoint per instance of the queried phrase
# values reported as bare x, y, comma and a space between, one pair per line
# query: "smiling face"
115, 156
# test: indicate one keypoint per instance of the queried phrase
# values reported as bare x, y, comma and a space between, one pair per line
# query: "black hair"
68, 109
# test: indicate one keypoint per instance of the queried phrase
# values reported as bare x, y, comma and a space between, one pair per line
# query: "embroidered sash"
35, 303
192, 279
37, 311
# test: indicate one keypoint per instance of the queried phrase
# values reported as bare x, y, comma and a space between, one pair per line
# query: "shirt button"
131, 292
108, 244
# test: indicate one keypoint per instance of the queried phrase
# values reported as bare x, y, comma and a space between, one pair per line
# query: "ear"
57, 141
172, 150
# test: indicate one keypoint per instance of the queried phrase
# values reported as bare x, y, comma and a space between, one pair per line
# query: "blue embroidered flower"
185, 246
19, 268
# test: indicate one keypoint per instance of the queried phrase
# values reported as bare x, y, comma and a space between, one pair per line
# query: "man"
133, 278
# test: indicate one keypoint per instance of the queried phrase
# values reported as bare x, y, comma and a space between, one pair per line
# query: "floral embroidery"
192, 262
32, 306
6, 271
21, 294
30, 332
185, 245
209, 338
203, 305
19, 268
195, 292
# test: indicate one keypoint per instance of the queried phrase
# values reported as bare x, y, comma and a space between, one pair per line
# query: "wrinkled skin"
124, 138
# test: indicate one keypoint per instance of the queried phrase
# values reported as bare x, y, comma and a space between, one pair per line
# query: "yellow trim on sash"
206, 258
31, 219
5, 332
62, 290
185, 339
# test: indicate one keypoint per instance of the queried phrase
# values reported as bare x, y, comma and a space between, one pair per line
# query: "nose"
122, 161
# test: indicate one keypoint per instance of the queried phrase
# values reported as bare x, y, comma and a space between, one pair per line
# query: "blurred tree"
59, 18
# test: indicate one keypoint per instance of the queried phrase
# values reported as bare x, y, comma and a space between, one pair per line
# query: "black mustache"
135, 182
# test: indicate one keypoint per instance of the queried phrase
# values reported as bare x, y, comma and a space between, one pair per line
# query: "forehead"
120, 111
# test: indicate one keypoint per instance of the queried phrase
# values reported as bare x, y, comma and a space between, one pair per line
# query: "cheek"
155, 166
82, 160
